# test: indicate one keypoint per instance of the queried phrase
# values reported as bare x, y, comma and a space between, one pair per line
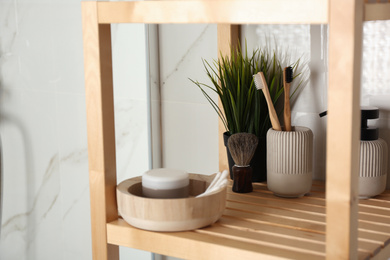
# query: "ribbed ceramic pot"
373, 168
290, 161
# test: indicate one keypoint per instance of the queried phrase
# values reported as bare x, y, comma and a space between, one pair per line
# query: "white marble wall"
183, 59
189, 122
43, 127
189, 125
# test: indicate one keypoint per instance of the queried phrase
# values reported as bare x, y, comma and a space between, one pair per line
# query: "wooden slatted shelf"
258, 224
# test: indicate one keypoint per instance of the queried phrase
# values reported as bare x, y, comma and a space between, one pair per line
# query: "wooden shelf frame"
345, 20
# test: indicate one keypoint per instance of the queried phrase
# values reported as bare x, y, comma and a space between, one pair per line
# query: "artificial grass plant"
244, 108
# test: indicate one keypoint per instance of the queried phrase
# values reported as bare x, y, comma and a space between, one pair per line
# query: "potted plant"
244, 108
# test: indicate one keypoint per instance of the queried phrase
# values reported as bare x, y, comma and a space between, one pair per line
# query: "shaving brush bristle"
242, 147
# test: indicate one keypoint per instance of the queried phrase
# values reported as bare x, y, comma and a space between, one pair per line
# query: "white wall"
189, 123
46, 211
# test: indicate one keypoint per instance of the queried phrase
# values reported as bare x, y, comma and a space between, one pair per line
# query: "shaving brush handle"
242, 179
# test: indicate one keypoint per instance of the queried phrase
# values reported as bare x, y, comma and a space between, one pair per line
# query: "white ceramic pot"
373, 168
290, 161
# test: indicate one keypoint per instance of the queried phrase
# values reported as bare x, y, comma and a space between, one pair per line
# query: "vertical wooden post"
101, 131
228, 36
343, 134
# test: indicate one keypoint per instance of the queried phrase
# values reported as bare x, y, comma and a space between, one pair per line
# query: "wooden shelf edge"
217, 11
231, 12
194, 244
379, 11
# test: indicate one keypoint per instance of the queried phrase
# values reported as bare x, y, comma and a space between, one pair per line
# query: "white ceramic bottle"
373, 157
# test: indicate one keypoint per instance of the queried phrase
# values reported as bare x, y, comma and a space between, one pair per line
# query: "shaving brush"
242, 147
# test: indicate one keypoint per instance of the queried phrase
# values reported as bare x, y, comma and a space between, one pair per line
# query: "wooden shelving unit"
330, 223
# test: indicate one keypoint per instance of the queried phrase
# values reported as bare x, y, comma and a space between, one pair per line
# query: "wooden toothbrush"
287, 79
260, 83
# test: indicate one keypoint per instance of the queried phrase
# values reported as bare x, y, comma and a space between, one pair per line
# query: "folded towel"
220, 181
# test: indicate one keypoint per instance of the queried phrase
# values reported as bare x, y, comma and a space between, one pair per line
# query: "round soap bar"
165, 183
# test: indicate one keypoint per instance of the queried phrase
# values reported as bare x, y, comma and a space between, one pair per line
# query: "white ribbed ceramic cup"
290, 161
373, 168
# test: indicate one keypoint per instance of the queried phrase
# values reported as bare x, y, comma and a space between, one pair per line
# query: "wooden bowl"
170, 214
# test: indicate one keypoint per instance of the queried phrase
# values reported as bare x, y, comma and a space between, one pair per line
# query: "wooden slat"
384, 212
378, 11
101, 133
287, 213
373, 226
195, 245
369, 247
377, 219
312, 248
272, 230
216, 11
276, 220
318, 201
373, 207
381, 239
279, 203
317, 187
345, 39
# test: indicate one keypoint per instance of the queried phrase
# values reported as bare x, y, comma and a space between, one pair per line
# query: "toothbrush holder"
290, 161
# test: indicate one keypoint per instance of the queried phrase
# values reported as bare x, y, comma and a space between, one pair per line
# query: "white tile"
376, 59
318, 127
182, 48
131, 138
283, 37
31, 176
190, 137
75, 209
129, 60
33, 45
382, 102
67, 48
294, 42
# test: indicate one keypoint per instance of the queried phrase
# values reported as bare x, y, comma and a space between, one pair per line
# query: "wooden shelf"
259, 224
378, 11
216, 11
232, 12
